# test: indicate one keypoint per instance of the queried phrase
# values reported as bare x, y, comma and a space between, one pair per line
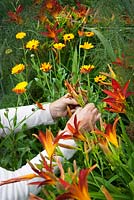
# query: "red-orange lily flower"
119, 93
75, 130
52, 32
117, 96
109, 133
14, 16
78, 190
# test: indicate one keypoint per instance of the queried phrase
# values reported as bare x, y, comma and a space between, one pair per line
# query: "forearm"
13, 119
21, 190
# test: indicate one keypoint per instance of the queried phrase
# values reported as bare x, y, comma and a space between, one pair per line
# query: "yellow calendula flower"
100, 78
45, 67
20, 87
87, 45
68, 37
18, 68
20, 35
59, 46
32, 44
89, 34
86, 69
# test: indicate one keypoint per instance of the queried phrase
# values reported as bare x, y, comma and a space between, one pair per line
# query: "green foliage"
112, 25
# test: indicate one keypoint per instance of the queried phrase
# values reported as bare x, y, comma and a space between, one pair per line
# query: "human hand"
87, 116
58, 108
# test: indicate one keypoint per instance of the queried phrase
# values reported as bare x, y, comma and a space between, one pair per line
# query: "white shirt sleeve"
21, 190
12, 119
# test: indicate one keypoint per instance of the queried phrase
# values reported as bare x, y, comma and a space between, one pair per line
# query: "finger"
70, 101
98, 116
89, 107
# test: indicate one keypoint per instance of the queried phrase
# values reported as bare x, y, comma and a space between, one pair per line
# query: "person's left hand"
58, 108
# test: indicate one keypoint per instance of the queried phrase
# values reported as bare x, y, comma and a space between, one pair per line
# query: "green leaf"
75, 68
131, 185
105, 43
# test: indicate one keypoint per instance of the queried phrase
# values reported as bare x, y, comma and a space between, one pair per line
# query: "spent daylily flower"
68, 37
106, 193
45, 67
87, 46
20, 35
52, 32
77, 93
20, 87
77, 190
109, 133
32, 44
59, 46
86, 69
18, 69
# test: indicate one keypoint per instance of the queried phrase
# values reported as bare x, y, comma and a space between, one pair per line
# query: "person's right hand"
87, 116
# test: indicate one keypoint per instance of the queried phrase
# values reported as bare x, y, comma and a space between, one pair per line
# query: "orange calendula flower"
68, 37
86, 68
109, 133
20, 35
87, 45
89, 34
20, 87
59, 46
100, 79
76, 190
18, 68
45, 67
32, 44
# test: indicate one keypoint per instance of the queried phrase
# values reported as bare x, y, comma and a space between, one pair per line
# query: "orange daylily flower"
77, 190
82, 10
53, 7
115, 107
52, 32
119, 61
14, 16
118, 95
49, 142
109, 133
75, 130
